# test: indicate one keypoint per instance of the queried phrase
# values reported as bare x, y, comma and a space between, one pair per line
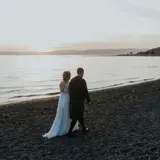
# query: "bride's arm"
62, 86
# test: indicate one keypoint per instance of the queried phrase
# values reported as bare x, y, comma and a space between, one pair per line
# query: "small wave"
110, 86
11, 77
143, 80
153, 66
15, 87
98, 82
148, 79
53, 80
10, 91
131, 78
28, 86
35, 95
114, 85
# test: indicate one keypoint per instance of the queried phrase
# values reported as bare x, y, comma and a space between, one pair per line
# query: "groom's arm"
86, 92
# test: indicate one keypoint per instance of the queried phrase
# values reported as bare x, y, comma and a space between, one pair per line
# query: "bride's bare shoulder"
62, 85
62, 82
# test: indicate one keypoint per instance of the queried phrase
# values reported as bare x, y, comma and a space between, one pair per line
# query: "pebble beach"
124, 123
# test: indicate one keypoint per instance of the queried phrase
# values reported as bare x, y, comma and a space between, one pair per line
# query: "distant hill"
107, 52
151, 52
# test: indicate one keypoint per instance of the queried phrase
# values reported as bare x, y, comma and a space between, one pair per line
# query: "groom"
78, 94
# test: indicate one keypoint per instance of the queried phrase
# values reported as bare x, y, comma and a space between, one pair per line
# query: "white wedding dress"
62, 120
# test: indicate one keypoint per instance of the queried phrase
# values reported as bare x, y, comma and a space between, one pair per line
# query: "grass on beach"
124, 123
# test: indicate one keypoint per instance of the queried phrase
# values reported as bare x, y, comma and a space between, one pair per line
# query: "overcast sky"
47, 24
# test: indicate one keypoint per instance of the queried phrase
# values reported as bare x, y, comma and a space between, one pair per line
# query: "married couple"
70, 106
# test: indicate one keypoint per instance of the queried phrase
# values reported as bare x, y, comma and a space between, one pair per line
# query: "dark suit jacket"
78, 93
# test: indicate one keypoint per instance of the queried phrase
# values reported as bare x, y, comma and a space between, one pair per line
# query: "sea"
26, 77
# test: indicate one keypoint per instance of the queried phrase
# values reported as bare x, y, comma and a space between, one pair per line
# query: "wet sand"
124, 123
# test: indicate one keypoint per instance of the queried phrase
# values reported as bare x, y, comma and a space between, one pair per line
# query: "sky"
44, 25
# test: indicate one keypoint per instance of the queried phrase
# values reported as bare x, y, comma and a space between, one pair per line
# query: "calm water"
29, 77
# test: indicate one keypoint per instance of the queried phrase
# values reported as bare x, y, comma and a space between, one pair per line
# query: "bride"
62, 120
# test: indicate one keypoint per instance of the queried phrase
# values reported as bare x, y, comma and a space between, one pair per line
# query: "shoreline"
55, 96
123, 123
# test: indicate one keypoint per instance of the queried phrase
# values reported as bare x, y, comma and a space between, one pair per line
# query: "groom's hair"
80, 70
